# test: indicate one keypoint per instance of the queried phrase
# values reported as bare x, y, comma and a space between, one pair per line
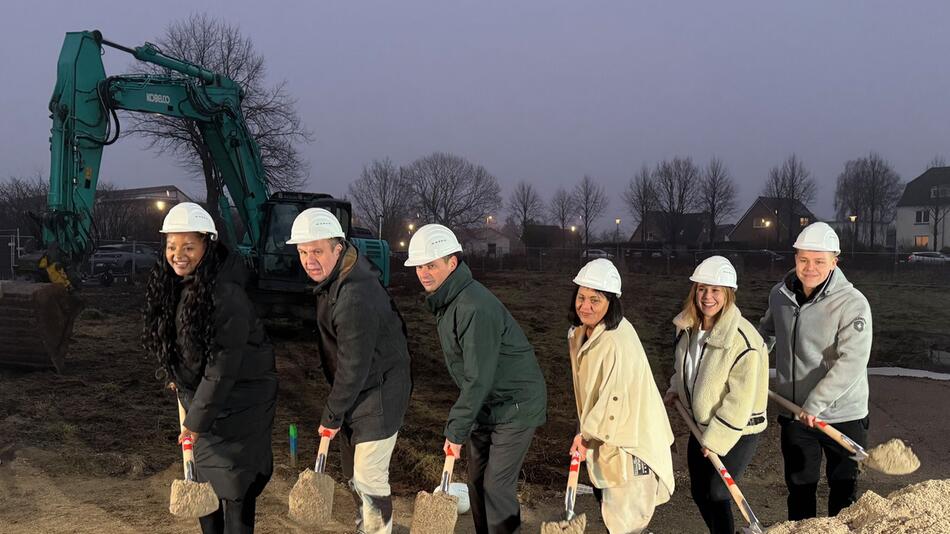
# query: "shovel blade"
311, 499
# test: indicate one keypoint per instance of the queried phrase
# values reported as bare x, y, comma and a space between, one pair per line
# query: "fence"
13, 244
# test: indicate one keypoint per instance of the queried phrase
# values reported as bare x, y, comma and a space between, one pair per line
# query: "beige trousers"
627, 509
370, 484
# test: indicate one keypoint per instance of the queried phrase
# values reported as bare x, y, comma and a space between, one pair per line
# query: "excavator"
36, 318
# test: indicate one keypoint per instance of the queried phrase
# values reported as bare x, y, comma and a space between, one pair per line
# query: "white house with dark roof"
923, 210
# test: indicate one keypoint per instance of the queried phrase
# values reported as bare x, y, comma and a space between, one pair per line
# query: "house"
486, 241
134, 213
771, 223
922, 211
692, 229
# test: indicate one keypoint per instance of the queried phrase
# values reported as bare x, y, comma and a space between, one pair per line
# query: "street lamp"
617, 236
854, 234
489, 220
767, 224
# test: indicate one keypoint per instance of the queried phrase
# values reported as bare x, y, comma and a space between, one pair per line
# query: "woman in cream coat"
624, 433
721, 377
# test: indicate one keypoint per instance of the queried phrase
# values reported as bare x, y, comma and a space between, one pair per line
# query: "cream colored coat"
619, 407
729, 391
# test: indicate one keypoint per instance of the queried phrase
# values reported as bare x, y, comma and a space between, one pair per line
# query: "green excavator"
36, 318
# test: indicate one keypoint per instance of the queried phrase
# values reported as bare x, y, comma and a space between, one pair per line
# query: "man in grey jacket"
821, 326
363, 351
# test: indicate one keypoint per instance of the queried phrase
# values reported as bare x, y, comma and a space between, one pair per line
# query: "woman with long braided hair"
200, 323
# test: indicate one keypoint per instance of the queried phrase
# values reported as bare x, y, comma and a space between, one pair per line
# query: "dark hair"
162, 292
614, 310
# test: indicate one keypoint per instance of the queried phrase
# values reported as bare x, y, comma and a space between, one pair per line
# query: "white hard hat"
460, 491
431, 242
818, 237
188, 217
314, 224
599, 274
715, 271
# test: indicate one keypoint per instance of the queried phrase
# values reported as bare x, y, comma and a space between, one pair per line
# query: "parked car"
118, 259
928, 257
594, 253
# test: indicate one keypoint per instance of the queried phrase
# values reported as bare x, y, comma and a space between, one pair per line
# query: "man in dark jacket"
363, 351
502, 396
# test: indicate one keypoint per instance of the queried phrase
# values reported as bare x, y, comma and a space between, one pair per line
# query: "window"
940, 191
803, 221
922, 217
921, 241
761, 223
492, 249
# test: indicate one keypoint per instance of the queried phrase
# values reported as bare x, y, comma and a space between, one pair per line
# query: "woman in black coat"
204, 329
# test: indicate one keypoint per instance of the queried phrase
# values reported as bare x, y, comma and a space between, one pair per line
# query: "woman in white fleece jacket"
721, 377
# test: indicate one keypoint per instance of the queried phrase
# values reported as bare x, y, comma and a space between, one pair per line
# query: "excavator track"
36, 323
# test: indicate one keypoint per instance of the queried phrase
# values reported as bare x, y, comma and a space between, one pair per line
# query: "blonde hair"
693, 314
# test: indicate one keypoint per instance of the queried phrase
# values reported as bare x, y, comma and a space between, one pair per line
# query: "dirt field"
93, 449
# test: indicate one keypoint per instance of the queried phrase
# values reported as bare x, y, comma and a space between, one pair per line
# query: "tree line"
448, 189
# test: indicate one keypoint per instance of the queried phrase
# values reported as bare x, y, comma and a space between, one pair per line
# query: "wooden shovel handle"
187, 454
447, 469
322, 451
737, 496
571, 493
832, 432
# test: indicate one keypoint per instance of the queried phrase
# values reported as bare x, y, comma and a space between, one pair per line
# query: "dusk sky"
542, 91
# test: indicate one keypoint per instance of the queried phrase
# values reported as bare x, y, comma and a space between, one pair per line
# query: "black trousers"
802, 449
495, 455
707, 488
235, 517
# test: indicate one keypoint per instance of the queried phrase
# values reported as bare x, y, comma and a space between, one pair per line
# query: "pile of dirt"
192, 499
923, 507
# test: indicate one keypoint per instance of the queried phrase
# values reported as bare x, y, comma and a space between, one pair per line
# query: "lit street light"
854, 234
617, 236
160, 204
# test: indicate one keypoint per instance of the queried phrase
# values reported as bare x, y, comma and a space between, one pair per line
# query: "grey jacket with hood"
821, 347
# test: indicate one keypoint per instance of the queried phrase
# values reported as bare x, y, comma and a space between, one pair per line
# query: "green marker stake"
293, 445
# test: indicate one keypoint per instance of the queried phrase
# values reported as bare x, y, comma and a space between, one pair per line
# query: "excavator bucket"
36, 322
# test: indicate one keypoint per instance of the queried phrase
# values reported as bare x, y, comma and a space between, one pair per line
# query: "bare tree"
525, 206
19, 197
590, 201
868, 189
561, 209
937, 161
269, 111
717, 195
449, 190
382, 196
677, 185
791, 183
640, 197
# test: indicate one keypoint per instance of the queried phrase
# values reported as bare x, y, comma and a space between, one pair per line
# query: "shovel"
754, 526
311, 498
436, 513
572, 524
906, 462
189, 498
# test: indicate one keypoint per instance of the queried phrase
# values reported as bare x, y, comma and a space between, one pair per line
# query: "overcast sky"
543, 91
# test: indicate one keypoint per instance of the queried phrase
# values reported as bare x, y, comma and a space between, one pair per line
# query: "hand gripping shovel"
571, 524
436, 513
311, 498
754, 526
189, 498
892, 458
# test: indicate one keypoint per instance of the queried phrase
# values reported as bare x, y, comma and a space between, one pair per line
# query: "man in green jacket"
502, 395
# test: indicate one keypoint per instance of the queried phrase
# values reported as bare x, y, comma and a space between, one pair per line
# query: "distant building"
550, 236
127, 214
692, 231
486, 241
926, 200
168, 194
771, 223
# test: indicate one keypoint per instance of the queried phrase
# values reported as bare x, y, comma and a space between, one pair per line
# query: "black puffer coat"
231, 400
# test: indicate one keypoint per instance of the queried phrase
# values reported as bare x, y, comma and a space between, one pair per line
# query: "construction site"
98, 321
